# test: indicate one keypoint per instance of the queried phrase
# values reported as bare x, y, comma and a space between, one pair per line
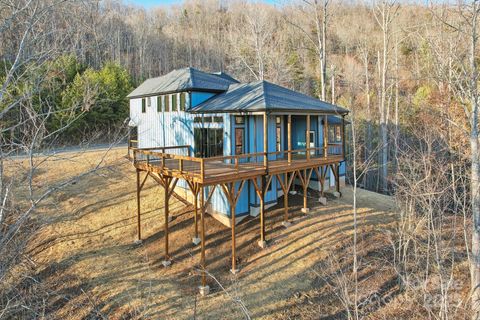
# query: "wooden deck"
219, 170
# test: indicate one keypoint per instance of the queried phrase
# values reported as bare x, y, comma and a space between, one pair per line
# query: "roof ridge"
264, 94
190, 78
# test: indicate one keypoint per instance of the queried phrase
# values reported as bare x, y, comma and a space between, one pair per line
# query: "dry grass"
85, 249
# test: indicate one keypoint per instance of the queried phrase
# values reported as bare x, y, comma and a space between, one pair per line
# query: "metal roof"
186, 79
261, 96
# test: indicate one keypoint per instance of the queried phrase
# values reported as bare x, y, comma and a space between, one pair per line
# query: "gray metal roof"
262, 96
186, 79
225, 76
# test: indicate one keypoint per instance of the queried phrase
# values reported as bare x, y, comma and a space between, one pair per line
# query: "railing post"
307, 138
343, 136
289, 137
180, 165
236, 163
325, 137
202, 169
265, 141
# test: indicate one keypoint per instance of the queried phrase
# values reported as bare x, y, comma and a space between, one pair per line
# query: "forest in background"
407, 71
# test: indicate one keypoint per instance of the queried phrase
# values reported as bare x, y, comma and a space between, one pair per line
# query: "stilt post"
139, 232
166, 262
262, 243
204, 288
195, 212
234, 247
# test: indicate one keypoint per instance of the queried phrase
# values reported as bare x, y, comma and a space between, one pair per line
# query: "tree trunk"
475, 171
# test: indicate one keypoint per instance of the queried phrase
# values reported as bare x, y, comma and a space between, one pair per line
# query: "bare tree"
385, 13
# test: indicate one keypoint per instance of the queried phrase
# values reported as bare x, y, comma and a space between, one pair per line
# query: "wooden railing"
179, 159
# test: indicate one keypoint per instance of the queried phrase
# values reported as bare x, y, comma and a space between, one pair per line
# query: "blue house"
238, 148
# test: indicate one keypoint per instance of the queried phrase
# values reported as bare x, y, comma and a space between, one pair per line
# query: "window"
278, 136
208, 142
239, 140
239, 120
167, 103
149, 102
174, 102
182, 101
218, 119
144, 108
334, 134
159, 104
207, 119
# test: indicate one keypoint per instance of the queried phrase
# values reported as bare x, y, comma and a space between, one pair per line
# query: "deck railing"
178, 159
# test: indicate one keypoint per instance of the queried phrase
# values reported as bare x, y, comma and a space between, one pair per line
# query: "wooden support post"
322, 180
232, 197
285, 201
307, 137
289, 137
139, 233
262, 243
204, 288
234, 269
166, 261
286, 184
305, 190
196, 239
325, 137
337, 177
261, 191
305, 179
265, 141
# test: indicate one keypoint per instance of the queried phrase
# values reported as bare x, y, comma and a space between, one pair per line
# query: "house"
238, 148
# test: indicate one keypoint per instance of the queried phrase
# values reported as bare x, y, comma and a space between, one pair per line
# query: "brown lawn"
86, 249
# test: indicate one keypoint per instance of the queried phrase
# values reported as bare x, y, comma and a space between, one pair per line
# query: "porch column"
325, 136
289, 138
308, 137
265, 141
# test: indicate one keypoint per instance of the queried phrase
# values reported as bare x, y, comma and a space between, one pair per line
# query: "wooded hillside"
408, 73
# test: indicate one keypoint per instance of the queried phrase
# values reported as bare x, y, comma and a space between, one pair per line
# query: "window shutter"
167, 103
159, 104
182, 101
144, 107
174, 102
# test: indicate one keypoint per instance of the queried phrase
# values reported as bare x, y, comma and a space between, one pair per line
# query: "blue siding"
177, 128
199, 97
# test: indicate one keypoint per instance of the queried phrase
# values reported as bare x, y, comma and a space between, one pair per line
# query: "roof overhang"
275, 112
172, 92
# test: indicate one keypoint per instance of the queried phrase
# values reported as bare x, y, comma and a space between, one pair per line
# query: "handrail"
147, 155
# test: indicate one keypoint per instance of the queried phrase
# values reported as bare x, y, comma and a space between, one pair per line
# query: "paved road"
70, 149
